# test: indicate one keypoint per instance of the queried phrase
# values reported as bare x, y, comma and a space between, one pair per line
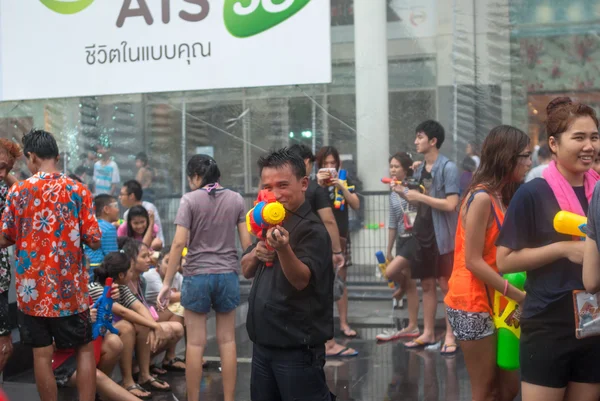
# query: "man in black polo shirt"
290, 314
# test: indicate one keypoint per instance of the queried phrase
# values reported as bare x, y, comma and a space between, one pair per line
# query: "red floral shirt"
48, 216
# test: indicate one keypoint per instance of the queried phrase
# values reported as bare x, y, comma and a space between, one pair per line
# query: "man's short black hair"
143, 157
135, 188
303, 151
81, 170
41, 143
282, 157
101, 201
432, 129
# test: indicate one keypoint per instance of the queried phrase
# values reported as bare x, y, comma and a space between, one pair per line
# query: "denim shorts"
220, 291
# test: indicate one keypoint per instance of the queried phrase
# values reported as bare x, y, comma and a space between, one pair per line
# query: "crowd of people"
468, 235
458, 232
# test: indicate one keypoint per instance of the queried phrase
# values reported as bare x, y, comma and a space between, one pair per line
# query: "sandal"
342, 354
139, 388
170, 365
349, 333
149, 387
418, 344
444, 351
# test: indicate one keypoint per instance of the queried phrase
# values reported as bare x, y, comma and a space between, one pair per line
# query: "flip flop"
139, 388
444, 351
345, 333
342, 355
419, 344
170, 365
395, 335
149, 387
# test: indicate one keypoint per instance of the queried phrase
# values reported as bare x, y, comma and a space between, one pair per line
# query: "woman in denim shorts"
206, 223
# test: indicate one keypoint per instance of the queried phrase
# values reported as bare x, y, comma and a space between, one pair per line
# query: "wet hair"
328, 151
206, 167
135, 188
163, 254
137, 211
12, 149
113, 264
142, 157
544, 152
432, 129
468, 164
303, 151
562, 112
281, 158
499, 159
41, 143
130, 246
405, 161
101, 201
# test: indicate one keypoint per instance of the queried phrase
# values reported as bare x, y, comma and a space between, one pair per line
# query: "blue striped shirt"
108, 244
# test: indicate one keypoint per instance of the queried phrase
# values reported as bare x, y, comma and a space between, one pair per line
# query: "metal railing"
368, 231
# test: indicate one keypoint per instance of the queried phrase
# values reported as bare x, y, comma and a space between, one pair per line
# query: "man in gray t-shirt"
209, 218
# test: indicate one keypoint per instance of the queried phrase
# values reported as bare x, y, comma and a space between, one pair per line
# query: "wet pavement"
384, 372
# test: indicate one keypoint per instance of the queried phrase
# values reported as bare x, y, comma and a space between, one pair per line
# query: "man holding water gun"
290, 307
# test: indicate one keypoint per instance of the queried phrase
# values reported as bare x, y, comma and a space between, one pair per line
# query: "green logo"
67, 7
244, 18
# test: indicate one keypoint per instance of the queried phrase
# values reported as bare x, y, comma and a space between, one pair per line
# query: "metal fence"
368, 230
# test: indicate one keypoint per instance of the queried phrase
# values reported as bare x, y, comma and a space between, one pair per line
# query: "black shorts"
551, 355
407, 247
430, 264
66, 332
4, 320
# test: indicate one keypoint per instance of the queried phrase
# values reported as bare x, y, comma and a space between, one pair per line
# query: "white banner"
65, 48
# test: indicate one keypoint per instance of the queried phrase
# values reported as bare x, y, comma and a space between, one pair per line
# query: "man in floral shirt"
47, 217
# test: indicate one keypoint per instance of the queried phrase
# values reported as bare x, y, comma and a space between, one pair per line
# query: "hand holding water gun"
507, 314
409, 183
570, 224
341, 182
383, 263
104, 312
267, 213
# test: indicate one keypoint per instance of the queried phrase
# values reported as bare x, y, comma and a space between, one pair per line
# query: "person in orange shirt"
505, 160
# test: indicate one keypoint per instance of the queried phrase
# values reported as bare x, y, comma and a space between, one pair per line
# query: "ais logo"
244, 18
67, 7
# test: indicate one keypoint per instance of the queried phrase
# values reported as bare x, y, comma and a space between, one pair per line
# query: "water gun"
340, 202
266, 213
104, 307
570, 224
383, 263
507, 320
409, 183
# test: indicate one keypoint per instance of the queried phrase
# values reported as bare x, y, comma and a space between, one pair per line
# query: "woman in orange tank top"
475, 276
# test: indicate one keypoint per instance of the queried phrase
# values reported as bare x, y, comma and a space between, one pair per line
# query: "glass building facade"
470, 64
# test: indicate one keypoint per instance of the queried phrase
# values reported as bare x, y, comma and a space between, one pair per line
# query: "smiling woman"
553, 261
67, 7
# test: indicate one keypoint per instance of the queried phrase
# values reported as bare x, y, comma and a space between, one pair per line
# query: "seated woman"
131, 315
107, 351
137, 285
137, 227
